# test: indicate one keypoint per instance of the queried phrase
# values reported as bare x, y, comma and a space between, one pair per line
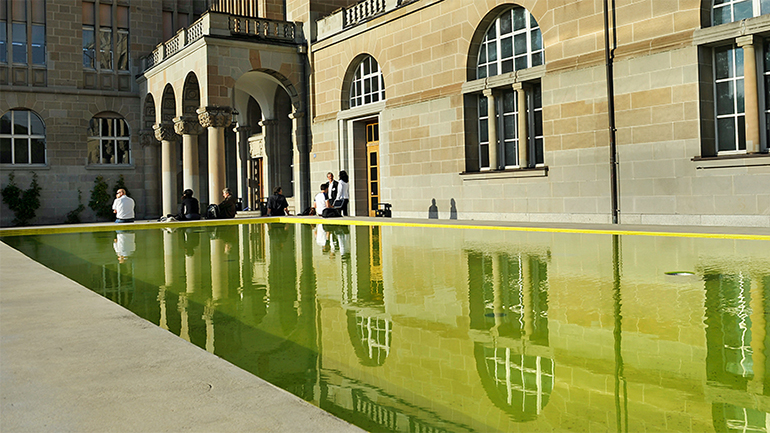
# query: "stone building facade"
462, 109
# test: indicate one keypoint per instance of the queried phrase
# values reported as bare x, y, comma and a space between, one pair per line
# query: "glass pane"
19, 42
20, 122
510, 153
5, 123
373, 203
506, 48
105, 48
509, 102
539, 151
481, 72
38, 44
5, 151
373, 186
506, 66
105, 15
483, 130
538, 97
767, 98
3, 46
722, 15
739, 93
93, 151
373, 173
38, 151
375, 84
492, 51
765, 7
122, 152
519, 21
723, 61
122, 128
367, 86
726, 134
492, 69
538, 123
509, 127
738, 62
536, 40
537, 59
725, 98
520, 63
123, 17
484, 155
483, 106
483, 55
21, 149
741, 133
367, 66
37, 127
88, 48
121, 48
108, 151
520, 44
505, 23
373, 159
492, 32
742, 10
88, 13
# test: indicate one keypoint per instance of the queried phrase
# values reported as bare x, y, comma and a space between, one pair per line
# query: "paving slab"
73, 361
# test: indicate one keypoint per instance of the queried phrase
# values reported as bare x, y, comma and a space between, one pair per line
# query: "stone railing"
358, 13
220, 24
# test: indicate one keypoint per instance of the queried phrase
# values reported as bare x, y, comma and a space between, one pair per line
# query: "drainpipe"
611, 107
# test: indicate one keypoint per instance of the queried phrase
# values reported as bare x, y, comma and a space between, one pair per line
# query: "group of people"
334, 194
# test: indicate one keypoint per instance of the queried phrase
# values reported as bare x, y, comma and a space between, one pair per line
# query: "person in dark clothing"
190, 208
227, 207
277, 204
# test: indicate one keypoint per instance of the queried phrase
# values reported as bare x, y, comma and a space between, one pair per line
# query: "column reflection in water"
509, 312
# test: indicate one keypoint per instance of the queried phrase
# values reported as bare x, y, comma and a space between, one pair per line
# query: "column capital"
187, 125
214, 116
488, 93
147, 138
745, 40
518, 86
267, 122
164, 131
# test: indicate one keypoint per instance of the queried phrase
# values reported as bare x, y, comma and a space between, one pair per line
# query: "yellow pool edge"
146, 225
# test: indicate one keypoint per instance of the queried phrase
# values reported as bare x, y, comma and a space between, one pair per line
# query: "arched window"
108, 140
728, 11
367, 86
22, 138
513, 42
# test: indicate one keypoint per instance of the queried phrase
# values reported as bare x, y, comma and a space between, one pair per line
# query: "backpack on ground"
331, 212
212, 212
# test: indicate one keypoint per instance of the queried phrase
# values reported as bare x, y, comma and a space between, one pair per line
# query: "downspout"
304, 53
611, 107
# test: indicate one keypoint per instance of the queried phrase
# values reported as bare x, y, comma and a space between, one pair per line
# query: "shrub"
73, 217
23, 203
101, 200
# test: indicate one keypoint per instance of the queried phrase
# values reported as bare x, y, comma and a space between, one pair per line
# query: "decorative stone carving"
187, 125
215, 116
257, 146
147, 138
165, 131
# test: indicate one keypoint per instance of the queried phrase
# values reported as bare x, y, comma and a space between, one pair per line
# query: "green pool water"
430, 329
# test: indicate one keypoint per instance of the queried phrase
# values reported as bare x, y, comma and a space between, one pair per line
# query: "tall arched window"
728, 11
367, 86
512, 42
22, 138
108, 140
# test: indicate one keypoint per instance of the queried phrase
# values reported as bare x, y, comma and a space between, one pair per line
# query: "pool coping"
720, 232
62, 369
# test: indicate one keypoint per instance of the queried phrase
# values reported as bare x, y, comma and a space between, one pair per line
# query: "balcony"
358, 13
220, 24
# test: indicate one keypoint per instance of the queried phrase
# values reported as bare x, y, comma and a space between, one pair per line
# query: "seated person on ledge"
190, 208
227, 207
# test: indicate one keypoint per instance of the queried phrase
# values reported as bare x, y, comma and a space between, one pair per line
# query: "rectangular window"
767, 87
729, 99
19, 42
3, 43
483, 133
121, 43
38, 44
89, 48
105, 37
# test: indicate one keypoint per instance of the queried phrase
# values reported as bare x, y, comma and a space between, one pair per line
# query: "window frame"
107, 56
358, 93
98, 137
533, 56
23, 33
756, 10
738, 114
13, 136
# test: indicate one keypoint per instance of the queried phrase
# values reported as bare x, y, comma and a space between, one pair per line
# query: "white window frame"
756, 9
13, 137
735, 81
492, 45
359, 95
98, 136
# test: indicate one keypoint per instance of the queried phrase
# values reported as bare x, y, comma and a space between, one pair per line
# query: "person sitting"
321, 200
277, 204
227, 207
190, 208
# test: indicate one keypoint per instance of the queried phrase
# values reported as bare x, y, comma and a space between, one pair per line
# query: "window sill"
25, 167
110, 167
732, 161
505, 174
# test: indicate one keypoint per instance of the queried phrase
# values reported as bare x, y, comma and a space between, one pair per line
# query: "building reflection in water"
509, 312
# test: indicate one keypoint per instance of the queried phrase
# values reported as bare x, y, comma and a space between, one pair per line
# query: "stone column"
751, 99
492, 128
216, 119
242, 138
164, 132
150, 171
189, 128
270, 133
302, 163
521, 95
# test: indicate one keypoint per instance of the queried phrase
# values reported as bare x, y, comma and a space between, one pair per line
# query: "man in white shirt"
123, 207
321, 201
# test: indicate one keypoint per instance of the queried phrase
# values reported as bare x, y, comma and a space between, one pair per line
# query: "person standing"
227, 207
277, 204
343, 195
123, 207
190, 208
333, 187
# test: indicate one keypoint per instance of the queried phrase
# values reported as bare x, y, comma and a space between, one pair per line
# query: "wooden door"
373, 165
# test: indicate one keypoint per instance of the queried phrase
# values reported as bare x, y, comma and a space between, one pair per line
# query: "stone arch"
191, 95
168, 104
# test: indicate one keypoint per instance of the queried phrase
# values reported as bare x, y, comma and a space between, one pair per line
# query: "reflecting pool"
457, 330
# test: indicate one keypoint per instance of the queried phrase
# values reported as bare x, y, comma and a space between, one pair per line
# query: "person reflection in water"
124, 245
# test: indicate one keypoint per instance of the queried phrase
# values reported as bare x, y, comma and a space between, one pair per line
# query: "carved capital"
165, 131
267, 122
215, 116
147, 138
187, 125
